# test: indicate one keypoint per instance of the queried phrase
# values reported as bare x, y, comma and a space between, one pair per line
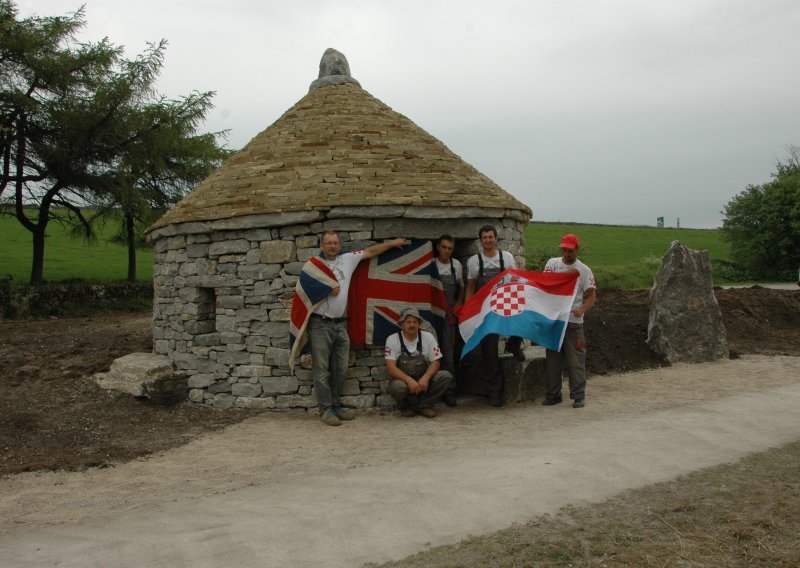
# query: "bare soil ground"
53, 417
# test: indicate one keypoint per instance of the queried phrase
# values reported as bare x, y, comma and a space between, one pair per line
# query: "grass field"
621, 257
66, 257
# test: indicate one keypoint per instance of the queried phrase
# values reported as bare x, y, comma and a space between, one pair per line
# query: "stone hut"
227, 257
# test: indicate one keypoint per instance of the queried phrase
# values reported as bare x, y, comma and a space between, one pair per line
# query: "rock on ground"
685, 319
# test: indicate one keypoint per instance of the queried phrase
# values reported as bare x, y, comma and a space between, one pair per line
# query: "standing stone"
685, 320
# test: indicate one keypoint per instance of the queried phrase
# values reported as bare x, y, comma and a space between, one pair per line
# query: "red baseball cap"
570, 242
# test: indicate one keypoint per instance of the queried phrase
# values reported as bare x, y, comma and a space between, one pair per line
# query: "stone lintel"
518, 215
179, 229
419, 212
424, 229
266, 220
345, 224
372, 212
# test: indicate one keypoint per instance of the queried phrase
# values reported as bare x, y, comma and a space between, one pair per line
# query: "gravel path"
280, 490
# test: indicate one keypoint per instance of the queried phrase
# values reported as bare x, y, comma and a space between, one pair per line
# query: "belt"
326, 318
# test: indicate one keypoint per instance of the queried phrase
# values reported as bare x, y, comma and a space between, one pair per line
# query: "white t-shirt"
585, 281
430, 348
445, 269
343, 267
473, 267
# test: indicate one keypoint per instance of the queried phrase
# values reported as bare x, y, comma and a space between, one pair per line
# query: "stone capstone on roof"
333, 70
337, 147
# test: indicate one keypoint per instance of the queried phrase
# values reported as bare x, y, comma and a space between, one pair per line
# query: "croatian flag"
389, 282
533, 305
314, 284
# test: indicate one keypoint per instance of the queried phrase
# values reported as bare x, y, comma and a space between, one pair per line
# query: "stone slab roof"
339, 146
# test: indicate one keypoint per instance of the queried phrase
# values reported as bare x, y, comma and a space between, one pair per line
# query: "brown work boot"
329, 417
427, 412
345, 413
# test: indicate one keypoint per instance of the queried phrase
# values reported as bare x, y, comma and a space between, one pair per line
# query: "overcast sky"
595, 111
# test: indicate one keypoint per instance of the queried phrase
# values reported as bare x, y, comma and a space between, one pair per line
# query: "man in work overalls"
412, 362
481, 268
452, 276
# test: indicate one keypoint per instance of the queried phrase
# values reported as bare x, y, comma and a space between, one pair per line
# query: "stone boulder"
145, 375
685, 320
333, 70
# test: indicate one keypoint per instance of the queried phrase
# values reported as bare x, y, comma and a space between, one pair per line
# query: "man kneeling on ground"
412, 361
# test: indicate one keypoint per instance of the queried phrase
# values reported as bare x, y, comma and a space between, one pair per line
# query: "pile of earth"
52, 416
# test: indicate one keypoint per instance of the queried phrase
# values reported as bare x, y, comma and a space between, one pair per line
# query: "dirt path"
288, 491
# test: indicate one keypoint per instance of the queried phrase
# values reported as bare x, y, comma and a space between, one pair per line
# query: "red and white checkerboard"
508, 299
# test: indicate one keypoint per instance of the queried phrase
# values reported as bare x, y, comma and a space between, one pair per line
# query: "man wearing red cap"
573, 350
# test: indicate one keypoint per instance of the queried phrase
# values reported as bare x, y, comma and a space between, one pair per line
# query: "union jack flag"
315, 283
382, 287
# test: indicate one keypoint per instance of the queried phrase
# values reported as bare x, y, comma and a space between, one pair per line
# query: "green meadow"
620, 256
623, 256
66, 257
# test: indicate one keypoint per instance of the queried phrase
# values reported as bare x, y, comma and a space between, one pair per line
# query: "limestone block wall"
223, 292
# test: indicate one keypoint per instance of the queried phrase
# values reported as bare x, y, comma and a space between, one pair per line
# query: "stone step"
524, 380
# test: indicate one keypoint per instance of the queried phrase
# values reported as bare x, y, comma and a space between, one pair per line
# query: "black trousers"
492, 370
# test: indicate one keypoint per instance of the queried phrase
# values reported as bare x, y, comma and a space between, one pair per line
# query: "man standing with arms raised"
452, 276
573, 349
481, 268
330, 344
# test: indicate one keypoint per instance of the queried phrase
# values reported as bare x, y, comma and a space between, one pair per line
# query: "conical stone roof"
339, 146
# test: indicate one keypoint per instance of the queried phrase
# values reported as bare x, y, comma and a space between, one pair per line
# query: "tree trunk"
37, 268
38, 230
130, 232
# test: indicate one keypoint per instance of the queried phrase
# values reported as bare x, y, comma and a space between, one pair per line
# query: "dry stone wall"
223, 292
